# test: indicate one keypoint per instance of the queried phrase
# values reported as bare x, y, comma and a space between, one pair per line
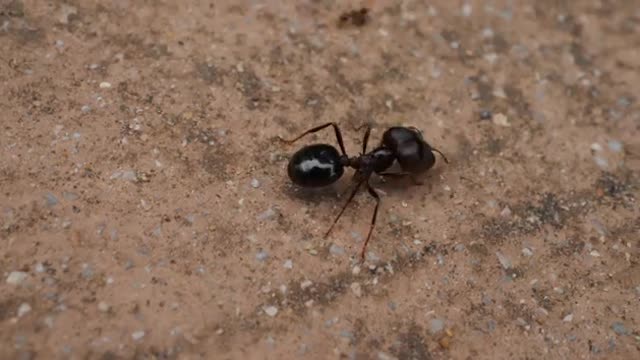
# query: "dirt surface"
146, 211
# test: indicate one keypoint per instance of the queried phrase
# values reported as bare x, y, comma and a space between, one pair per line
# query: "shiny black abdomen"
315, 165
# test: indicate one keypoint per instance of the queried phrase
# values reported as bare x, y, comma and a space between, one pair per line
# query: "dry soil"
145, 210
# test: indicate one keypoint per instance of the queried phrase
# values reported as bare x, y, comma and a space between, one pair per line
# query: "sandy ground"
146, 211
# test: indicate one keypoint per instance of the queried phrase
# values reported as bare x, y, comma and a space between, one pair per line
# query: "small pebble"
487, 33
85, 108
595, 147
601, 162
501, 120
336, 250
105, 85
485, 115
619, 328
467, 9
305, 284
24, 309
504, 261
271, 310
288, 264
385, 356
436, 325
615, 146
255, 183
527, 252
506, 212
103, 306
268, 214
51, 199
356, 288
568, 318
17, 277
87, 271
355, 270
137, 335
262, 255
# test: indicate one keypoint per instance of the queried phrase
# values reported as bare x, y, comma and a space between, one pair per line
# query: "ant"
320, 165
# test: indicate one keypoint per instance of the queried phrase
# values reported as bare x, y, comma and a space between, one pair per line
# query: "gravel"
103, 306
52, 200
268, 214
356, 289
504, 261
485, 115
271, 310
619, 328
17, 277
436, 326
336, 250
262, 255
615, 146
137, 335
24, 309
87, 271
305, 284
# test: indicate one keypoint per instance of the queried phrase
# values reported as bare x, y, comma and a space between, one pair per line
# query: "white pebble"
137, 335
24, 309
501, 120
487, 33
568, 318
271, 310
596, 147
288, 264
355, 270
527, 252
504, 261
506, 212
467, 9
17, 277
105, 85
103, 306
305, 284
255, 183
356, 288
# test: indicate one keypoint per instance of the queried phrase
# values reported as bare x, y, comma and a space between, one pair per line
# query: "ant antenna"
441, 154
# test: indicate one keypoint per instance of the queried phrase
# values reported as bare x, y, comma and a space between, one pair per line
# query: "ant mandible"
320, 165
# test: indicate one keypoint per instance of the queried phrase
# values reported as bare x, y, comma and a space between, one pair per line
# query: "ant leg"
318, 128
441, 154
353, 194
365, 140
403, 174
373, 219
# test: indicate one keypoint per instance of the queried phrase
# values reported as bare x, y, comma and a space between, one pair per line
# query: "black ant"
319, 165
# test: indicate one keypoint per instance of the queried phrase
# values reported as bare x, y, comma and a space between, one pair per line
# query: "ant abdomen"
315, 166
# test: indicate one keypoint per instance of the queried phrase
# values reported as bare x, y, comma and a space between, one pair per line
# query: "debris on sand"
355, 17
